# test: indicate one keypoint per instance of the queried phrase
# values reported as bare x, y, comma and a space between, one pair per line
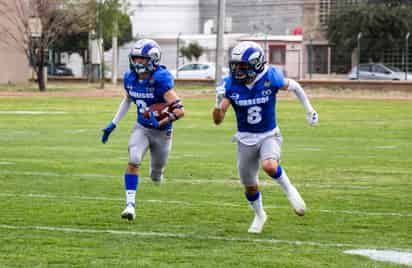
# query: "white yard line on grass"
93, 198
185, 180
31, 112
77, 131
181, 236
383, 147
173, 235
198, 203
6, 163
306, 148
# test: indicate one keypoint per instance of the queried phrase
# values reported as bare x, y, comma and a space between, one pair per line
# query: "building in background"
273, 17
174, 24
14, 66
170, 44
320, 58
284, 51
164, 16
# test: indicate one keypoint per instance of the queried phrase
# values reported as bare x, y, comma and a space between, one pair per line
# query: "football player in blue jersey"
251, 90
146, 83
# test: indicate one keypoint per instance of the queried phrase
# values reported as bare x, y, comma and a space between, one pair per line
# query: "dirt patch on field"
209, 94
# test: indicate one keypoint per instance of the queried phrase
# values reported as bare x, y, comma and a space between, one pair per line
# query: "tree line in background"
383, 24
36, 26
192, 50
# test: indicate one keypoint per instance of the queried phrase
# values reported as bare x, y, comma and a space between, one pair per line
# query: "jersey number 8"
253, 115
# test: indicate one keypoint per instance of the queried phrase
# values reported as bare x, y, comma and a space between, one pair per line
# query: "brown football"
160, 110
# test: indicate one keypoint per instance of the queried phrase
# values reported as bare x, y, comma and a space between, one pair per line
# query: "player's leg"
248, 167
270, 155
138, 145
160, 146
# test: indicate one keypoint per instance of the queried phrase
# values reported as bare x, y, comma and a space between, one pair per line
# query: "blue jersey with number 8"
255, 108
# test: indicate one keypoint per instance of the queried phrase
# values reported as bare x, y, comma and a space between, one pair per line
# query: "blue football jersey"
149, 91
255, 108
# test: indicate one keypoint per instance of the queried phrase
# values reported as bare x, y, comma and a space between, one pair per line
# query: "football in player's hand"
160, 110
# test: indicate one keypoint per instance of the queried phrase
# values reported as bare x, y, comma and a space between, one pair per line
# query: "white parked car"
378, 71
199, 70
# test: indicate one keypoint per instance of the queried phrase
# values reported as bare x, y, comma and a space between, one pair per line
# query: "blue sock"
253, 197
278, 173
130, 182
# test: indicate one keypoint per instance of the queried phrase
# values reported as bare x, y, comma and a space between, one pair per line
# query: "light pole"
311, 56
407, 54
268, 29
177, 53
359, 54
100, 42
115, 50
219, 39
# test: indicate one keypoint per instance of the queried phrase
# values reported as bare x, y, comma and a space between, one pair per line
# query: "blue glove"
107, 130
151, 121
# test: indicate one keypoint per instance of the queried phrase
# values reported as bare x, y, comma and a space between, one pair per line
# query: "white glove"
312, 118
220, 94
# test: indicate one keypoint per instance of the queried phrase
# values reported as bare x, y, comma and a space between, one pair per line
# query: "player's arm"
121, 111
176, 110
222, 104
295, 87
219, 112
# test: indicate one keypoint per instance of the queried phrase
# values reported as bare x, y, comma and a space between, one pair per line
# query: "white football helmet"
247, 59
145, 48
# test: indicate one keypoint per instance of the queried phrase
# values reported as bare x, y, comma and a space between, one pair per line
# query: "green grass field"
61, 190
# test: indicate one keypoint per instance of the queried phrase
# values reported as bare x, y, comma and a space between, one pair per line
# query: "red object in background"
297, 31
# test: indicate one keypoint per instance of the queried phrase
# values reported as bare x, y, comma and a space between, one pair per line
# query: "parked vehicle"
201, 70
60, 71
378, 71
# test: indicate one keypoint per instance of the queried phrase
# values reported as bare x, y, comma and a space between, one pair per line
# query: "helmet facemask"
144, 49
139, 68
242, 71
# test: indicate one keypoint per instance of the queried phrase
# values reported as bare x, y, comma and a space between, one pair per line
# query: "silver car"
198, 70
378, 71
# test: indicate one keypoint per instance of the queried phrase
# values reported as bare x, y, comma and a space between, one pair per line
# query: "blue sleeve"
164, 82
125, 78
277, 78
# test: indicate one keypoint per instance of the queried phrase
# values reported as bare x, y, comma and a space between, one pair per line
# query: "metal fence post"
407, 54
359, 54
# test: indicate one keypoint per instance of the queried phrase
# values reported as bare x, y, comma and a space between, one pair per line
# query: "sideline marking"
393, 256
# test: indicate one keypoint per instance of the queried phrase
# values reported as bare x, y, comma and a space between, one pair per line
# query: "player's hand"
220, 94
312, 118
151, 121
107, 130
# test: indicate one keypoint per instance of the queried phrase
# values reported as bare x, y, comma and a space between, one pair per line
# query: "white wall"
164, 16
73, 61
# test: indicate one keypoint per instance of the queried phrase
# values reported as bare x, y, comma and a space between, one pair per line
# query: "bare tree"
34, 25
